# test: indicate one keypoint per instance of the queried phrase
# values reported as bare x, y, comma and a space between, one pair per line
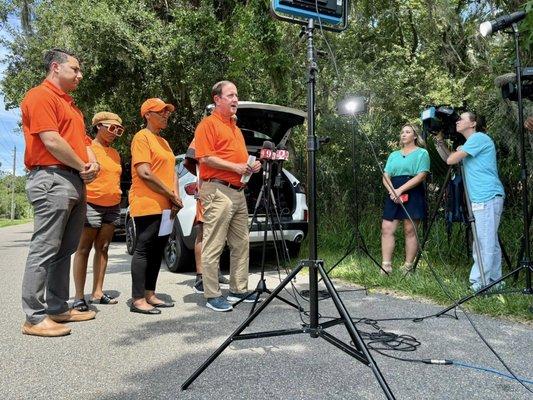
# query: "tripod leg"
504, 253
288, 302
480, 291
285, 250
256, 208
427, 229
354, 333
241, 328
472, 221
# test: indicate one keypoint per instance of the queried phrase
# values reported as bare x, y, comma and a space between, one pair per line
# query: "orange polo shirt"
147, 147
105, 189
219, 136
48, 108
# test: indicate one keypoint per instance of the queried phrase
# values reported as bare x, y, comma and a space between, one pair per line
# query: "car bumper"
292, 232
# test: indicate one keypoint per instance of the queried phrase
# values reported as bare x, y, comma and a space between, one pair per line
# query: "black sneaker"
199, 286
222, 279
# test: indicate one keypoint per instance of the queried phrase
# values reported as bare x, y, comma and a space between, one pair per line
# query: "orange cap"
156, 105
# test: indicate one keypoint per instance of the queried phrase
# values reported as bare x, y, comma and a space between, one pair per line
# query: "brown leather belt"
55, 166
225, 183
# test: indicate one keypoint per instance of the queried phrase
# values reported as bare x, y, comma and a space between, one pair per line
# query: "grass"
7, 222
445, 256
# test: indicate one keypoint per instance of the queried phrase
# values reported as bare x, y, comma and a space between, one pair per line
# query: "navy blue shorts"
415, 206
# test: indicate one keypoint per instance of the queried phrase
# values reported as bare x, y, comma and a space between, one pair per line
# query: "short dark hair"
217, 88
57, 55
478, 119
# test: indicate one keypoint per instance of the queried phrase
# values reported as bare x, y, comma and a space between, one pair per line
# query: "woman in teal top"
404, 175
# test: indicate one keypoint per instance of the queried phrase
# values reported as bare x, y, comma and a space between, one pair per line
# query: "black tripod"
358, 350
466, 215
267, 200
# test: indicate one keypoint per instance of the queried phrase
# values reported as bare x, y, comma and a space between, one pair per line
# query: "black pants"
147, 256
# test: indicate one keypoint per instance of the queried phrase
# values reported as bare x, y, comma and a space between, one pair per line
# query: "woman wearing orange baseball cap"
154, 188
103, 211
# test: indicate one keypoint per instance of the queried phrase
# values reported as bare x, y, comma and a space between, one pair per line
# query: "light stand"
358, 350
526, 260
353, 106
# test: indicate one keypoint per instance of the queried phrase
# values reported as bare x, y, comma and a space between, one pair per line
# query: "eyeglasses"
114, 129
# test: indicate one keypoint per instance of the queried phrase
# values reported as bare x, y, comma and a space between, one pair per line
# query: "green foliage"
22, 207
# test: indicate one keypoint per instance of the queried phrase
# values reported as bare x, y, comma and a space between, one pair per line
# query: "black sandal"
105, 299
80, 305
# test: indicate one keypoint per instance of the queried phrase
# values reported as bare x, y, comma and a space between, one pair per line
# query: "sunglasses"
114, 129
162, 113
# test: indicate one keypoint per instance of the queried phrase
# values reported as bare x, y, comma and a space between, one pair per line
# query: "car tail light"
190, 188
306, 215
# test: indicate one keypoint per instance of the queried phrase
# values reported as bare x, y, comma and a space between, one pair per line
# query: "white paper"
166, 224
246, 178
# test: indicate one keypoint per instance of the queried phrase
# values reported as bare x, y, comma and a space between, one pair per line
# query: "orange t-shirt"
48, 108
147, 147
105, 189
221, 137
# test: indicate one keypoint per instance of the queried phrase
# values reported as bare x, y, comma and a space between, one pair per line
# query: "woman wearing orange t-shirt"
103, 211
154, 188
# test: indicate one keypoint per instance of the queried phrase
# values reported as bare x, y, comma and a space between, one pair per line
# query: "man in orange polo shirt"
59, 164
221, 151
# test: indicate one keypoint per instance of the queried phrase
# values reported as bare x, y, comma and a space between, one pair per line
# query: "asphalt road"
121, 355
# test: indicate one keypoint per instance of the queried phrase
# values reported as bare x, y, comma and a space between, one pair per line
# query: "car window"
254, 138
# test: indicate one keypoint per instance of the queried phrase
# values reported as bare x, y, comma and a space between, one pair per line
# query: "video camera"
507, 83
437, 119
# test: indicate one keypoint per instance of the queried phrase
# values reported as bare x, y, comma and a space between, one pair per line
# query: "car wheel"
131, 236
177, 256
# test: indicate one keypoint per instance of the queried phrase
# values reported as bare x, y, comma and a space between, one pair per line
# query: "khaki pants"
225, 217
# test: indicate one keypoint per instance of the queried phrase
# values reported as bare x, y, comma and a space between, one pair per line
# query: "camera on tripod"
508, 85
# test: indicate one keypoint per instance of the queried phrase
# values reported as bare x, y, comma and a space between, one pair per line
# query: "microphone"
265, 155
266, 151
282, 154
489, 27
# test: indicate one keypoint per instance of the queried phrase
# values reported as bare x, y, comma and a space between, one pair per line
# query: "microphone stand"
265, 196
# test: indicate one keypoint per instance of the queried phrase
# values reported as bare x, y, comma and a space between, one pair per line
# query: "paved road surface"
121, 355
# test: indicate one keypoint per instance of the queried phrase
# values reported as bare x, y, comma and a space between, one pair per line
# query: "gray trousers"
58, 200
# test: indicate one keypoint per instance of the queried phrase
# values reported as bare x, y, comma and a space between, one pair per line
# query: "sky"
10, 134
